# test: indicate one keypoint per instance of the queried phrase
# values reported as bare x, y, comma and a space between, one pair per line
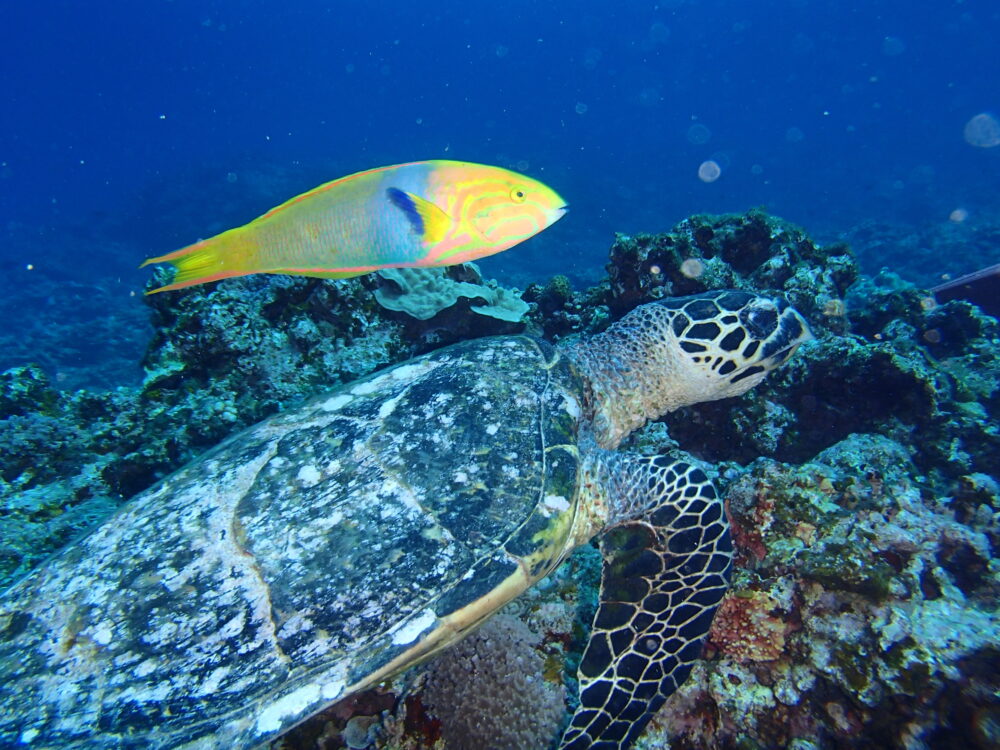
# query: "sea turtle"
332, 546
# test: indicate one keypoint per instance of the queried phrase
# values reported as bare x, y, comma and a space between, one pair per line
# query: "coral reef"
490, 690
424, 292
930, 253
926, 376
862, 612
861, 481
254, 344
752, 251
84, 335
221, 359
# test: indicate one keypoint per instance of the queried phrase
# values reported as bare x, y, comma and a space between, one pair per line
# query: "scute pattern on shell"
258, 584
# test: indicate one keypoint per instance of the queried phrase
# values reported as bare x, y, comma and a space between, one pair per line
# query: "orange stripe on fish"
428, 213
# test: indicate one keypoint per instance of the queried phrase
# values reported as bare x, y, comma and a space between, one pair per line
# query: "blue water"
129, 129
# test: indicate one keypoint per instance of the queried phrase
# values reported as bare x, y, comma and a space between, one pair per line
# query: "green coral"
424, 292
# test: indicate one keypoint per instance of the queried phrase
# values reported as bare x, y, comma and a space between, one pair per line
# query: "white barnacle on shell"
308, 475
210, 685
410, 631
571, 405
409, 372
102, 634
370, 386
389, 406
336, 402
293, 704
556, 502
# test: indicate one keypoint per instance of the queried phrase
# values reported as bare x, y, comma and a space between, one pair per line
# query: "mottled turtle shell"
304, 559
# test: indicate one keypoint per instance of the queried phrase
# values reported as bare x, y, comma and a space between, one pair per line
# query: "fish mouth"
557, 213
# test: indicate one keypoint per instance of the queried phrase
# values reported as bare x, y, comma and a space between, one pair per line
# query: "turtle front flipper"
666, 568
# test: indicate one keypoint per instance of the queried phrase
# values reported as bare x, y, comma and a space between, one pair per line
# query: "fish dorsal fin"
426, 218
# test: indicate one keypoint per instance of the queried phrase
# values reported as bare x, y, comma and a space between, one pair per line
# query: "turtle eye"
517, 195
761, 321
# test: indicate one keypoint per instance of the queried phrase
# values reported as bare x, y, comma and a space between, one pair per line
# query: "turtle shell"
305, 559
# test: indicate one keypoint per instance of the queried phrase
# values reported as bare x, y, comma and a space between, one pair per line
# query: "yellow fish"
425, 213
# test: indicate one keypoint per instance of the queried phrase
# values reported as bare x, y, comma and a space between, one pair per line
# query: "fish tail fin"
219, 257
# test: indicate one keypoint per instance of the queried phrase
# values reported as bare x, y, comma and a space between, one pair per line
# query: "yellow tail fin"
218, 257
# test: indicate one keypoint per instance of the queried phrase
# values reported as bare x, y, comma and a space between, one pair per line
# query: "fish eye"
517, 195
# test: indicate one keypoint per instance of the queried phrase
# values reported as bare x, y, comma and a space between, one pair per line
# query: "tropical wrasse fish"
427, 213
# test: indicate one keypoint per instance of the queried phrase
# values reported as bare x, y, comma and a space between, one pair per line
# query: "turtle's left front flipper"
666, 568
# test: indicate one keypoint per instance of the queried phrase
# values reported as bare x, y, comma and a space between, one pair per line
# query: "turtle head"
681, 351
724, 343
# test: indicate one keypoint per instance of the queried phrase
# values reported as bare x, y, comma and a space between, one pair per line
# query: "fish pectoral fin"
427, 219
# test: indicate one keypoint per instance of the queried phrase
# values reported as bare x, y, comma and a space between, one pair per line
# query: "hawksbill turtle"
332, 546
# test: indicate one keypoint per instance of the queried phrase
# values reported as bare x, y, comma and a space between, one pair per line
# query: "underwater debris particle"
834, 308
892, 46
709, 171
932, 336
692, 268
698, 134
958, 215
982, 131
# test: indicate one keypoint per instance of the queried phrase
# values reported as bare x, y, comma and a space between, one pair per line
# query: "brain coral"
489, 690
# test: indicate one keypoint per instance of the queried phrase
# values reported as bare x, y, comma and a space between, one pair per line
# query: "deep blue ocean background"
130, 129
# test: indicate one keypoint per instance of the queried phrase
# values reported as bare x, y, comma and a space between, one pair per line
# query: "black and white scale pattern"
292, 563
332, 546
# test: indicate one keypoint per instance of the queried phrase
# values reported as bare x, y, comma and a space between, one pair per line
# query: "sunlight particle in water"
692, 268
794, 135
721, 158
892, 46
982, 131
580, 108
958, 215
501, 50
756, 169
709, 171
650, 96
591, 57
659, 33
698, 134
30, 267
231, 177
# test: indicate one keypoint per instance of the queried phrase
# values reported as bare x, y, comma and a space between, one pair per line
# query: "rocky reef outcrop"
861, 481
